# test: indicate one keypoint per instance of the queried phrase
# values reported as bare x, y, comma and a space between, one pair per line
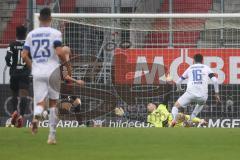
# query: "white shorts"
188, 98
42, 89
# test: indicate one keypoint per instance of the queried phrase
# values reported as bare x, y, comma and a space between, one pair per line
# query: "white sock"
53, 120
174, 112
196, 111
38, 110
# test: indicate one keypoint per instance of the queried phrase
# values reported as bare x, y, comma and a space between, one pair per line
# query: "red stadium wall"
147, 66
43, 2
68, 6
187, 39
187, 6
18, 18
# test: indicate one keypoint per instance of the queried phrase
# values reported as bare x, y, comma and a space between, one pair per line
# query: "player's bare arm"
60, 53
26, 58
66, 51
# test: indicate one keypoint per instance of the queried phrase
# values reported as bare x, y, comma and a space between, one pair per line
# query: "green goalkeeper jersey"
161, 114
158, 116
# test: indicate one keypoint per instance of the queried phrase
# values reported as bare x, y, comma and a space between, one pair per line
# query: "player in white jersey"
45, 46
198, 76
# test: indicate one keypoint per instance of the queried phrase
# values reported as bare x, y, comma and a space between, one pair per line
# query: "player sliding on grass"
45, 46
161, 117
158, 116
198, 75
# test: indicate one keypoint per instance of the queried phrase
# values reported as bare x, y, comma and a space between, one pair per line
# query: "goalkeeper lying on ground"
161, 117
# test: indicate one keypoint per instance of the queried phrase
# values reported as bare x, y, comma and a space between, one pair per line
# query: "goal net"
126, 61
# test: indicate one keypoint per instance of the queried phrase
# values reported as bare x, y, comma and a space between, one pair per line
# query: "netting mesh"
124, 63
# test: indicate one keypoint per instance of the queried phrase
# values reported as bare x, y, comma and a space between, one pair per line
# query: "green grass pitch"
122, 144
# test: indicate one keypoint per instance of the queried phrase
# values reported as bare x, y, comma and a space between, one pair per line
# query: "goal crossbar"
146, 15
138, 16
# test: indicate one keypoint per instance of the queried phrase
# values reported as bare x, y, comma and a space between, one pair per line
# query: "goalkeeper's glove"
119, 111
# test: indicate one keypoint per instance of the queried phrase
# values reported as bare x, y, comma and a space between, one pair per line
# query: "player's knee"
42, 103
52, 103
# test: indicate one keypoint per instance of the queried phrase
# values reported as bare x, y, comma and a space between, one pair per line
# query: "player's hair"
198, 58
45, 14
154, 103
21, 32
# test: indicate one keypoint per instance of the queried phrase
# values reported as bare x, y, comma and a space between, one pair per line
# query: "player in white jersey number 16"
198, 76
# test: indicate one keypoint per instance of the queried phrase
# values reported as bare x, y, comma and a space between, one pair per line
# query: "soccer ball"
8, 123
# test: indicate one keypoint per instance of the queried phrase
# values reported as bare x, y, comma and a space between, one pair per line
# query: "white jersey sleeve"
27, 44
58, 40
214, 79
209, 70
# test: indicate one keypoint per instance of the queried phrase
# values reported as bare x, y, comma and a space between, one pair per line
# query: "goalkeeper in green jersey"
161, 117
158, 116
